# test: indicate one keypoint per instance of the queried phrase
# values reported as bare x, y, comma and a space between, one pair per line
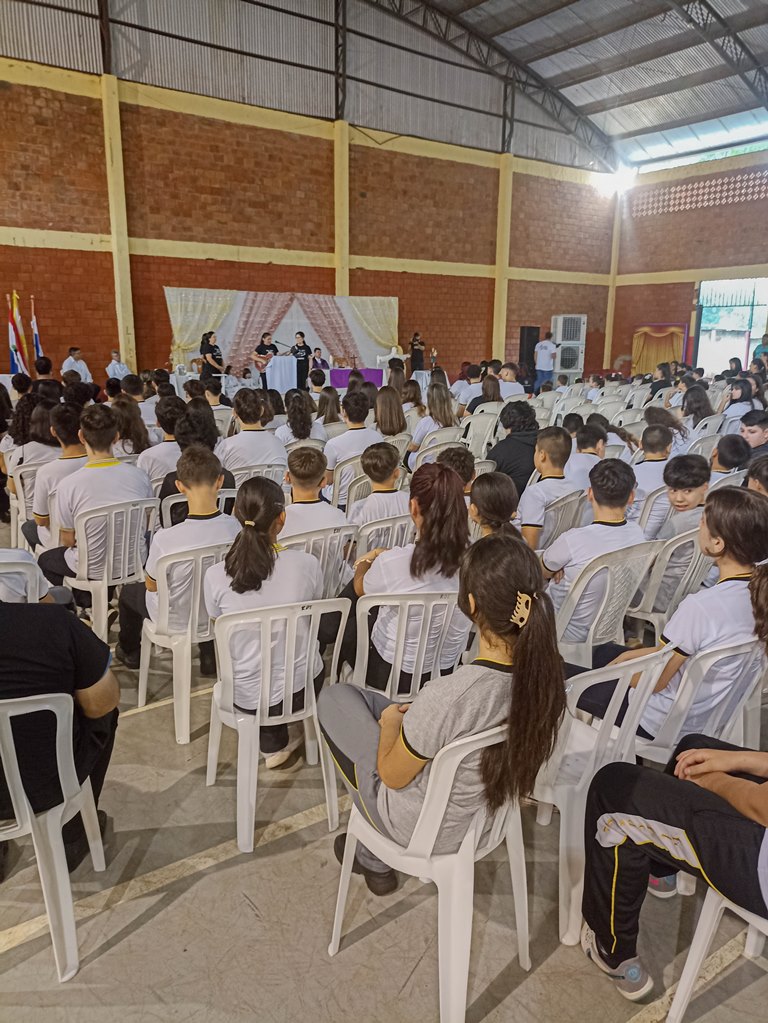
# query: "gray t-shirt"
473, 699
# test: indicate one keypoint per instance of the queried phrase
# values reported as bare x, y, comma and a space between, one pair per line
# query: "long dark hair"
444, 533
491, 390
498, 571
396, 380
298, 414
495, 497
656, 416
600, 420
40, 425
329, 406
696, 404
390, 418
251, 558
131, 426
440, 405
22, 417
745, 392
737, 516
412, 394
276, 401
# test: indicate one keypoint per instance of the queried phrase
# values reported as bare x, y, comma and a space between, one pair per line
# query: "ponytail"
444, 531
251, 558
495, 498
298, 414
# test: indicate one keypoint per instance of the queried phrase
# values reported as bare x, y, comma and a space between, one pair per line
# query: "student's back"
381, 505
307, 516
252, 447
578, 467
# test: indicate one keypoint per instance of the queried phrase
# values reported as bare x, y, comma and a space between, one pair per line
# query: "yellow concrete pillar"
611, 307
113, 146
501, 275
341, 205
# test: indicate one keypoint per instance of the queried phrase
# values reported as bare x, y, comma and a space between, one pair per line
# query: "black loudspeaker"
529, 338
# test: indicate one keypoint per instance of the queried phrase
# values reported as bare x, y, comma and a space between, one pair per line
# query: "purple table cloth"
340, 377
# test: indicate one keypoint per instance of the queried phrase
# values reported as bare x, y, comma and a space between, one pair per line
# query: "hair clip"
248, 522
522, 609
759, 564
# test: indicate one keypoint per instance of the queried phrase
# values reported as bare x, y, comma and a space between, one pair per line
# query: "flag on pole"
39, 353
18, 363
22, 341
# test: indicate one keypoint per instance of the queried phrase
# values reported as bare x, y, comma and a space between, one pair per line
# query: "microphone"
280, 344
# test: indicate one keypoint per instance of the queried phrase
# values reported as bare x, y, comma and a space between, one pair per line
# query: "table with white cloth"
423, 378
281, 373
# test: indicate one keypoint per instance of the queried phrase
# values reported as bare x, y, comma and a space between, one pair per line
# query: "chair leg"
709, 921
516, 856
686, 884
544, 813
91, 825
571, 880
755, 943
341, 899
57, 892
329, 785
99, 612
144, 661
214, 742
182, 690
455, 894
247, 781
311, 751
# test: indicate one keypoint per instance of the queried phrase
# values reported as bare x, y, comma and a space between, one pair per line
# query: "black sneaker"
379, 882
208, 666
77, 851
129, 660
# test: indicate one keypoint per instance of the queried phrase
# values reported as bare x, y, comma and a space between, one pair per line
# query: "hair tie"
522, 610
248, 522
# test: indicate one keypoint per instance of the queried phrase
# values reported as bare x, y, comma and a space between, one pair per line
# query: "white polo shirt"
578, 468
536, 499
390, 574
13, 585
296, 577
160, 459
382, 504
470, 391
79, 366
424, 427
31, 453
571, 552
307, 516
649, 476
347, 445
509, 388
718, 475
711, 617
285, 434
116, 370
545, 356
47, 481
677, 565
97, 485
194, 532
251, 447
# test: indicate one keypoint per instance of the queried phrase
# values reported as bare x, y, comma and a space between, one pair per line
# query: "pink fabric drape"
262, 311
330, 326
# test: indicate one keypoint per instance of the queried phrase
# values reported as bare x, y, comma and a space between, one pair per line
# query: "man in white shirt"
353, 442
611, 489
116, 370
307, 511
102, 481
508, 384
544, 355
76, 363
253, 445
161, 459
553, 450
472, 387
199, 479
590, 449
656, 443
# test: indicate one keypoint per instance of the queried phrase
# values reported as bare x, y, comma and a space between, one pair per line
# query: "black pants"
640, 822
54, 566
597, 699
302, 372
132, 612
30, 532
273, 738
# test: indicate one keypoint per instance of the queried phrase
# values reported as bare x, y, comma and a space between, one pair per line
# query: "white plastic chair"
174, 500
21, 509
127, 459
124, 527
334, 549
285, 618
223, 417
27, 569
399, 441
628, 418
707, 427
654, 500
732, 479
614, 450
477, 432
580, 752
308, 442
704, 446
661, 396
396, 531
431, 451
483, 465
346, 470
434, 612
412, 418
623, 571
638, 396
706, 928
609, 407
563, 406
334, 429
360, 488
563, 514
732, 424
45, 828
270, 470
453, 873
198, 629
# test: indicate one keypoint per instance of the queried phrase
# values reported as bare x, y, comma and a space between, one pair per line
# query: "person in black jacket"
514, 455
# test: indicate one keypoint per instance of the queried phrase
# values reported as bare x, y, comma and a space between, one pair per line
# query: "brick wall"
418, 208
531, 303
639, 305
455, 314
560, 225
52, 157
74, 300
198, 179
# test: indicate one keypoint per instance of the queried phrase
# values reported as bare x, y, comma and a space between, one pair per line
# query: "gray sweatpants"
349, 720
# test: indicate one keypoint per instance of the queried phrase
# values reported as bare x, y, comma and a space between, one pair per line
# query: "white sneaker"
274, 760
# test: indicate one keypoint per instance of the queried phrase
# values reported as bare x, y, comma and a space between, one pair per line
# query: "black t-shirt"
180, 511
659, 385
417, 355
301, 352
514, 457
213, 350
46, 649
262, 349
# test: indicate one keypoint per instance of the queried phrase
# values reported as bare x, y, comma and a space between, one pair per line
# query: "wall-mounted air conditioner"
569, 332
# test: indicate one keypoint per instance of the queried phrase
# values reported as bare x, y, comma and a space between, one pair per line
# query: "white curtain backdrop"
192, 312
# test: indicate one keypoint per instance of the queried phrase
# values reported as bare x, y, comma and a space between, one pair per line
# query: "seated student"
590, 449
103, 480
214, 394
572, 423
316, 384
195, 427
381, 464
13, 585
193, 389
757, 475
160, 459
508, 383
134, 388
38, 445
429, 565
307, 510
473, 387
412, 398
352, 442
732, 453
439, 416
199, 478
656, 443
65, 428
754, 430
299, 424
687, 480
490, 392
552, 454
611, 490
562, 384
112, 388
389, 416
133, 434
741, 400
596, 384
615, 435
514, 454
655, 416
60, 655
258, 573
383, 750
253, 445
493, 504
462, 461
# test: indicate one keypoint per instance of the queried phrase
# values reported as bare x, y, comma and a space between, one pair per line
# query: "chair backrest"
623, 570
270, 470
707, 426
223, 417
28, 570
566, 404
546, 399
297, 625
732, 424
638, 395
691, 579
652, 505
661, 396
358, 489
24, 480
59, 704
174, 500
412, 418
128, 459
628, 418
396, 531
431, 451
638, 455
308, 442
731, 479
334, 429
609, 407
433, 612
346, 469
477, 433
196, 563
121, 529
563, 514
614, 450
704, 445
399, 441
584, 409
533, 478
483, 465
333, 547
442, 435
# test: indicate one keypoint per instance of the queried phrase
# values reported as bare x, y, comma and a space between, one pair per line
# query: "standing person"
116, 370
265, 351
318, 362
417, 347
213, 360
74, 361
300, 352
544, 354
